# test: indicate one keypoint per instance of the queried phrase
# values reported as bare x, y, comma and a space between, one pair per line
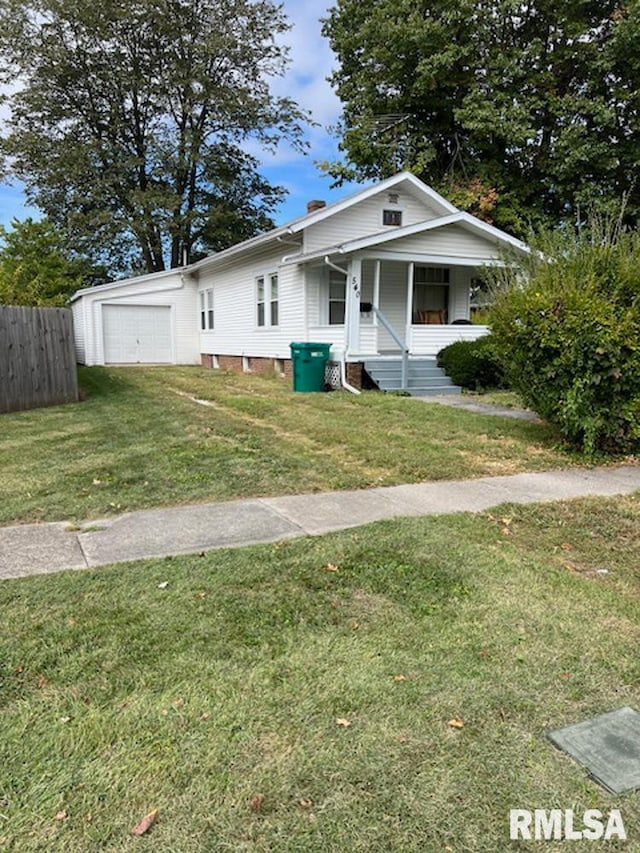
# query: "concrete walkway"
40, 548
464, 401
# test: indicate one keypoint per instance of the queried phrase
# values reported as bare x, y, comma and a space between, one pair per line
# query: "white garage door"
137, 334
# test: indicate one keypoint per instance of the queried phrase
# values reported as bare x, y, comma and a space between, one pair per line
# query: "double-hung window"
261, 313
273, 317
267, 300
337, 298
206, 309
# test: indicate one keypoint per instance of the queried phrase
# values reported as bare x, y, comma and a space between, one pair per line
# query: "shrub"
472, 364
568, 332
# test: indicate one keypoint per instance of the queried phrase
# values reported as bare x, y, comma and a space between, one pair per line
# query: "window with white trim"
267, 300
337, 297
273, 314
431, 291
260, 306
206, 309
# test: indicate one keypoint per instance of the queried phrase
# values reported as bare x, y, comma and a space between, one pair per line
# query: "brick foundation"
354, 374
281, 366
256, 364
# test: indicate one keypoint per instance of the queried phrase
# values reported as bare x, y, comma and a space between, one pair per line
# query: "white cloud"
311, 61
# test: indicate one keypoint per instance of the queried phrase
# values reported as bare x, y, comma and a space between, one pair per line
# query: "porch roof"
466, 220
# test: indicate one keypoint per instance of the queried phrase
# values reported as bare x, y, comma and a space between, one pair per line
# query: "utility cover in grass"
608, 746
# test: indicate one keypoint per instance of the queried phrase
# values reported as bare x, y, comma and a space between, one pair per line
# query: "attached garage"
137, 334
150, 320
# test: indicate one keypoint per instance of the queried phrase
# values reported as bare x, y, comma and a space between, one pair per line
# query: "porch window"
260, 300
431, 295
337, 298
206, 309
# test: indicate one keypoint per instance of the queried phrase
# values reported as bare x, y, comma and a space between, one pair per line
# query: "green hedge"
569, 334
472, 364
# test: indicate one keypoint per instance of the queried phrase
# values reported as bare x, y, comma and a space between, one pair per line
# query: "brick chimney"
314, 205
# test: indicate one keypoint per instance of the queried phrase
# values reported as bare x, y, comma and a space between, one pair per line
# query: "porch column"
376, 290
352, 320
409, 300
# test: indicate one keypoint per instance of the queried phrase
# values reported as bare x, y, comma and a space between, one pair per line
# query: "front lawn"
383, 689
139, 441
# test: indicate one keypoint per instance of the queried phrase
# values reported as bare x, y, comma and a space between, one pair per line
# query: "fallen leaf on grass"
456, 723
42, 682
399, 678
61, 816
257, 802
200, 595
96, 482
306, 804
330, 568
566, 546
145, 824
342, 721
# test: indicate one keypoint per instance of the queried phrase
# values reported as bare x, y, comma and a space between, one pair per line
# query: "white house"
385, 271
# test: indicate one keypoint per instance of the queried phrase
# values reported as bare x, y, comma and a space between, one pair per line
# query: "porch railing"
404, 380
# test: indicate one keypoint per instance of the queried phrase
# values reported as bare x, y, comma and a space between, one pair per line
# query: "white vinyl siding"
365, 218
451, 240
137, 334
236, 331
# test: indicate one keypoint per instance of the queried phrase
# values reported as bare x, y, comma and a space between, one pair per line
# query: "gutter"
343, 366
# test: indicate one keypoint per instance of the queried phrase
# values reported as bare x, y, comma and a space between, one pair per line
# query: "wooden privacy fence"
37, 358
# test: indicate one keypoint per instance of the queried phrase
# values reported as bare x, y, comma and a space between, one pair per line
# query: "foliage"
518, 111
568, 332
128, 123
36, 269
472, 364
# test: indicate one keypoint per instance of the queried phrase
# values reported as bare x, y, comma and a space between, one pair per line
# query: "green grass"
119, 697
139, 441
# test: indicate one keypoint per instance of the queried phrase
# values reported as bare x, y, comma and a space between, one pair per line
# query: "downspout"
343, 366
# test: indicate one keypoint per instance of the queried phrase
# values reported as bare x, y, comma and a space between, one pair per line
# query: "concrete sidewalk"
40, 548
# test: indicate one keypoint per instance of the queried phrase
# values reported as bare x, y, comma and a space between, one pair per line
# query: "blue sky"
312, 61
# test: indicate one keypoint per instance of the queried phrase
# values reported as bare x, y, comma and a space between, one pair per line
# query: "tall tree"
37, 269
520, 110
130, 117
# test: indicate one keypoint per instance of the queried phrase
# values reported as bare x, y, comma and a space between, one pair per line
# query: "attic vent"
393, 198
314, 205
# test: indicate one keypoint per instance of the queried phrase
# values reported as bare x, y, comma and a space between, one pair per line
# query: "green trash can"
309, 360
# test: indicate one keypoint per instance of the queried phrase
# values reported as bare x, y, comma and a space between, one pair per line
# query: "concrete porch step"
424, 377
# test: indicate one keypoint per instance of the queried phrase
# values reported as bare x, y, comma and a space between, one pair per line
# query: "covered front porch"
381, 306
